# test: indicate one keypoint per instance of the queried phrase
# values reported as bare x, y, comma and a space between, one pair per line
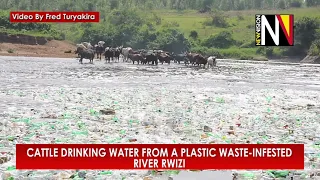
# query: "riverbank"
53, 48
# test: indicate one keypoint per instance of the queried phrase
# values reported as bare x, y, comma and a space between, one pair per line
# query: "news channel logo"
274, 30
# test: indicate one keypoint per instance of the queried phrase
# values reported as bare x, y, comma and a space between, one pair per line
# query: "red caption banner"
160, 156
69, 17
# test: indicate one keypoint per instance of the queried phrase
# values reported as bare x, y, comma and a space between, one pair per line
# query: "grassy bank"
24, 32
240, 24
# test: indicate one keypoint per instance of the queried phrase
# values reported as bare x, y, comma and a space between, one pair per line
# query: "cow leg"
80, 60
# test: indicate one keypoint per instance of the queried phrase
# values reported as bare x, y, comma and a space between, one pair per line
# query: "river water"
43, 100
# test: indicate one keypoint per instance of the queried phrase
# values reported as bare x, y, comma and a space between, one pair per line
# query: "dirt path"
169, 103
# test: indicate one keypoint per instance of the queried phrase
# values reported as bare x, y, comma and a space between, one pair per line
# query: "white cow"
212, 61
125, 52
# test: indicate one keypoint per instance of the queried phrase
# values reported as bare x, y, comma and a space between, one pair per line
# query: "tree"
170, 39
114, 4
311, 3
282, 4
222, 40
305, 31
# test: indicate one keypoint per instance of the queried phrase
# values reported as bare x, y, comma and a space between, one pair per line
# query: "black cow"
117, 52
152, 58
179, 57
108, 54
136, 57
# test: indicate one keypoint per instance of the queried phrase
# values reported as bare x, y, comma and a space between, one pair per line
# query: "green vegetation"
224, 28
10, 51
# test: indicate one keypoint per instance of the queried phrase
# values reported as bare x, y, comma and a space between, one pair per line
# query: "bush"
10, 51
311, 3
170, 39
295, 4
217, 19
305, 32
269, 51
240, 17
282, 4
193, 34
222, 40
315, 48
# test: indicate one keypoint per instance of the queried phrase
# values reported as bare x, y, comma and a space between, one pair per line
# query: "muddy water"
43, 100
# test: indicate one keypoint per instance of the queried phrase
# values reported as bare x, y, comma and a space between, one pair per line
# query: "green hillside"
212, 27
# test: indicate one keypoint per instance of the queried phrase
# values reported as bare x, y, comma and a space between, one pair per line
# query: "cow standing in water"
85, 53
125, 52
117, 52
212, 61
99, 49
108, 53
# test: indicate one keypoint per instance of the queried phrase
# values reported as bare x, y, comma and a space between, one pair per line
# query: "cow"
163, 57
125, 52
79, 45
212, 61
179, 57
192, 57
108, 54
152, 58
136, 57
99, 49
117, 52
85, 53
201, 60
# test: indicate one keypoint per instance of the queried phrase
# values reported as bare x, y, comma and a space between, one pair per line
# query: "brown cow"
163, 57
192, 57
201, 60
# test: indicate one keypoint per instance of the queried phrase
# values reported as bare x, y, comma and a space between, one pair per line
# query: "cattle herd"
87, 51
